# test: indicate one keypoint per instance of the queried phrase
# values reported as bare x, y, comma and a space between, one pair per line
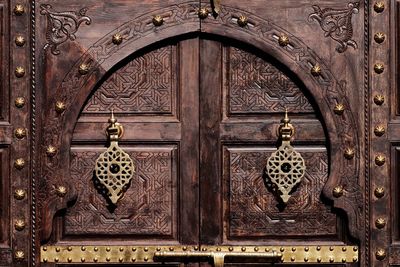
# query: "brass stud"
319, 259
380, 254
56, 259
146, 258
204, 249
243, 249
337, 191
117, 39
379, 130
83, 69
305, 259
242, 21
83, 248
355, 259
266, 249
158, 20
20, 133
379, 99
230, 248
146, 249
380, 223
355, 249
95, 259
83, 259
344, 249
379, 192
171, 248
121, 259
349, 153
19, 102
379, 68
316, 70
44, 248
339, 109
218, 249
69, 259
122, 249
282, 249
19, 40
331, 259
331, 248
183, 248
58, 249
19, 72
19, 163
19, 255
19, 194
283, 40
256, 249
159, 249
45, 260
306, 249
133, 259
292, 258
61, 192
380, 160
51, 151
133, 249
379, 37
293, 249
59, 107
379, 7
19, 225
108, 249
19, 10
318, 248
203, 13
344, 260
70, 248
108, 259
196, 248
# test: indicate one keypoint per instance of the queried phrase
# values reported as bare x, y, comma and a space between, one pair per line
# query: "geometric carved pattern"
146, 208
257, 86
143, 85
256, 211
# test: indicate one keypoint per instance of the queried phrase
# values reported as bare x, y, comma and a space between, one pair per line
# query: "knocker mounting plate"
285, 167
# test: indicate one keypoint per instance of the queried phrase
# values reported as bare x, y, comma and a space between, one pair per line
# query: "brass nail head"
379, 7
379, 130
19, 40
379, 37
339, 109
19, 224
60, 107
349, 153
61, 192
242, 21
337, 191
158, 20
283, 40
379, 68
51, 151
19, 194
19, 10
83, 69
316, 70
20, 133
203, 13
379, 99
19, 72
380, 160
19, 102
379, 192
117, 39
380, 223
19, 163
19, 255
380, 254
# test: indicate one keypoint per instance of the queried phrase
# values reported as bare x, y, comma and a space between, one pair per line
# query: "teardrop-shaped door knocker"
285, 167
114, 167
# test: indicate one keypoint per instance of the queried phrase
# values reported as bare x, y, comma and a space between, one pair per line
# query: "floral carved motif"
336, 23
62, 26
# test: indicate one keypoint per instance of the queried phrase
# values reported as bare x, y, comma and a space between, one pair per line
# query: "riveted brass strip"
148, 254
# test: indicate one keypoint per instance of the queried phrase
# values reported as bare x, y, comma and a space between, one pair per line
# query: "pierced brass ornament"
339, 109
203, 13
117, 39
19, 72
337, 191
19, 102
349, 153
379, 7
283, 40
61, 191
316, 70
242, 21
19, 163
379, 192
19, 194
19, 225
114, 168
51, 151
380, 223
59, 107
158, 20
380, 160
379, 130
83, 69
379, 68
19, 10
379, 99
19, 255
19, 40
380, 254
379, 37
20, 133
285, 167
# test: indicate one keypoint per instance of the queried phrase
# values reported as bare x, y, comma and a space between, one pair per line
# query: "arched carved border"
182, 19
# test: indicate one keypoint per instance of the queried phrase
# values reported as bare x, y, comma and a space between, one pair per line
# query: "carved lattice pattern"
257, 86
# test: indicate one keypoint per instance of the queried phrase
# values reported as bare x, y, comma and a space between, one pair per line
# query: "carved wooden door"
157, 132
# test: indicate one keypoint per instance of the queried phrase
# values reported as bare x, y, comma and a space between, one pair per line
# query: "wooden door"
200, 89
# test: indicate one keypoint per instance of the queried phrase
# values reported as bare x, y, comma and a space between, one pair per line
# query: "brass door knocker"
114, 167
285, 167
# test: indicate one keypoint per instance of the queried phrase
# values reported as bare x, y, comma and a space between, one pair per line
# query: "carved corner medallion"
336, 24
62, 26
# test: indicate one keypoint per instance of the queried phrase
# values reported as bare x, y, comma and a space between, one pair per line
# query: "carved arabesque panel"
256, 211
257, 86
146, 208
143, 85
